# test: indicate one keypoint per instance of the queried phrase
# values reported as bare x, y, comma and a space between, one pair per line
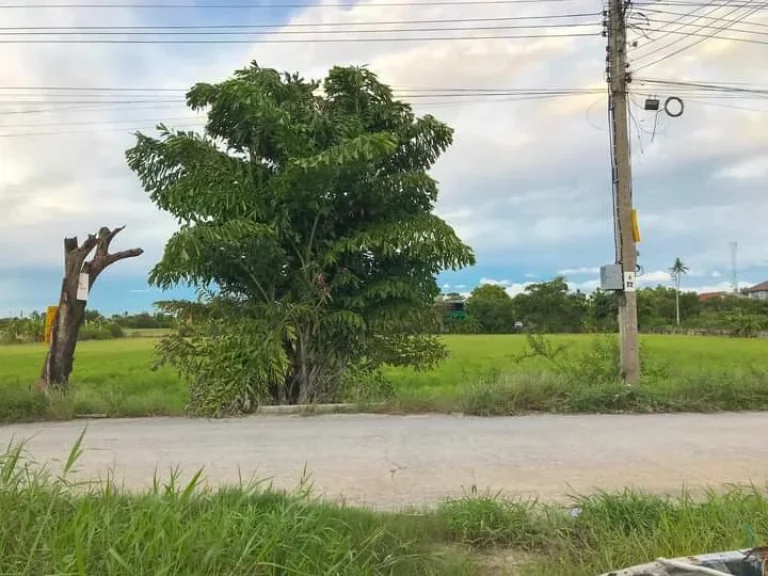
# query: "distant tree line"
550, 307
96, 326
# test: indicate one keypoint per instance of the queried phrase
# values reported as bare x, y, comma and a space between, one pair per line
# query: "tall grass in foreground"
607, 532
53, 525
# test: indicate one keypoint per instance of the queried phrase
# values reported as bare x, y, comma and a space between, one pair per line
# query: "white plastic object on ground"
690, 567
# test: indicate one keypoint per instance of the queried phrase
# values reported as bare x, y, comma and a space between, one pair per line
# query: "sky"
526, 183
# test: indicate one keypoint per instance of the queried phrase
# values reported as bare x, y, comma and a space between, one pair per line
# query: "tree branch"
105, 239
102, 258
132, 253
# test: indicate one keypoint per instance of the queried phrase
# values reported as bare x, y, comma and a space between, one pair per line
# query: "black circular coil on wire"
674, 114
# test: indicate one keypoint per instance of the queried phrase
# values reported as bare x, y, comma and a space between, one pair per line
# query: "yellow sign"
635, 227
50, 316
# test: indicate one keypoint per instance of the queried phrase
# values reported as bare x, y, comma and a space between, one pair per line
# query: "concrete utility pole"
626, 253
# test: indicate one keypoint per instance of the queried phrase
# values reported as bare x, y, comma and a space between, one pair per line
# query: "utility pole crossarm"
626, 253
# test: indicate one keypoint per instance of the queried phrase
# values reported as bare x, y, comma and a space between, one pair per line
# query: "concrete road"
391, 461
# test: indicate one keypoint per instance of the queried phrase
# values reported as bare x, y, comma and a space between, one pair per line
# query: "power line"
252, 5
729, 106
681, 27
96, 123
304, 41
400, 89
705, 86
86, 108
710, 35
89, 131
716, 18
681, 17
296, 32
712, 27
718, 3
304, 25
447, 99
705, 37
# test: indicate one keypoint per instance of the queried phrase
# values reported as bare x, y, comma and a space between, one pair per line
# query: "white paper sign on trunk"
82, 286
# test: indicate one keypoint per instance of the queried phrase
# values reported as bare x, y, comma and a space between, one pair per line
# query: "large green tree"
551, 307
491, 307
306, 208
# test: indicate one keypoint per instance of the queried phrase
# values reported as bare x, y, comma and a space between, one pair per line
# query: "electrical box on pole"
611, 277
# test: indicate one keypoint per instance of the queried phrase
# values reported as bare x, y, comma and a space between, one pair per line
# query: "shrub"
100, 331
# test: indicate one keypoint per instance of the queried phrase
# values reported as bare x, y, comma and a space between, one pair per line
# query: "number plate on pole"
629, 282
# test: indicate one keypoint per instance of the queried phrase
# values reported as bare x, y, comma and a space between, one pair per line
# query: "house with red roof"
757, 292
705, 296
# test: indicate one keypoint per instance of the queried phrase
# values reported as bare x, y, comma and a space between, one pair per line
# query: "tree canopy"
306, 209
551, 307
491, 307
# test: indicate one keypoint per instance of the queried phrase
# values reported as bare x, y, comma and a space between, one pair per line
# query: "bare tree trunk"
71, 312
677, 299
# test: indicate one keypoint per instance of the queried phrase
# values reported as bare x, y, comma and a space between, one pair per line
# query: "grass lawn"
54, 527
115, 377
484, 357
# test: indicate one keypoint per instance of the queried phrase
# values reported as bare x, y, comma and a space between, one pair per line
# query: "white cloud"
587, 286
526, 181
748, 169
516, 288
654, 278
719, 287
492, 282
579, 271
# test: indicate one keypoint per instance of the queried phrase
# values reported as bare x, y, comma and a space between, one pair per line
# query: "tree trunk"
677, 301
66, 326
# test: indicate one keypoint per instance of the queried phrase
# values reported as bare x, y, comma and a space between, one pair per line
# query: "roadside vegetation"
30, 329
57, 525
483, 375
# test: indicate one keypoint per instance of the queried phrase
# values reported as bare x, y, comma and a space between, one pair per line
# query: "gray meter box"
611, 277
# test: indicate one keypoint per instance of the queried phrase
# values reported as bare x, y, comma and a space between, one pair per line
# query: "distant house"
757, 292
705, 296
452, 305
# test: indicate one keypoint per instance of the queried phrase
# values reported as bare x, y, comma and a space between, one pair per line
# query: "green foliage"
549, 307
54, 525
311, 213
596, 364
491, 307
484, 520
144, 320
101, 330
31, 329
233, 356
21, 330
614, 531
481, 376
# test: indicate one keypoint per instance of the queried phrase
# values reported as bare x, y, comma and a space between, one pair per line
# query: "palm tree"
678, 270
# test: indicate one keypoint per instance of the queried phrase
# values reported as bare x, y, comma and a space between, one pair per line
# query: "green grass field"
116, 378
